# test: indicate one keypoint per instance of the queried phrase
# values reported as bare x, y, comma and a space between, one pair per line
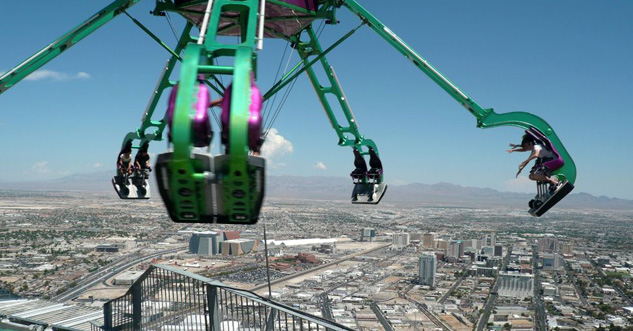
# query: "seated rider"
539, 172
360, 170
124, 163
141, 161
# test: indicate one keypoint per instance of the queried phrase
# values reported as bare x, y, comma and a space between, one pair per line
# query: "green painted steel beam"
63, 43
152, 35
163, 83
486, 118
292, 75
332, 86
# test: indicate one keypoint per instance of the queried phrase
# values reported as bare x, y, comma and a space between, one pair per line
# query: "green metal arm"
349, 133
163, 83
60, 45
486, 118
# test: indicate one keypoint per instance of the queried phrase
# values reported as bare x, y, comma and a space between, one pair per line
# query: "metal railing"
164, 298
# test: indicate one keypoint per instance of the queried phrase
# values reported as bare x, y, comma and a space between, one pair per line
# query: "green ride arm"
348, 133
486, 118
60, 45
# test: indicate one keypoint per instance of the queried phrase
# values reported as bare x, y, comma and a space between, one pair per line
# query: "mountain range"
340, 188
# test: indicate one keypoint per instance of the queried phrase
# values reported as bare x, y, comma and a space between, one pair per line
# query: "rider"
538, 151
141, 161
124, 163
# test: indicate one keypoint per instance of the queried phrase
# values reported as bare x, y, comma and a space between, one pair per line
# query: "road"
456, 285
492, 298
570, 273
423, 308
92, 279
385, 323
540, 315
323, 266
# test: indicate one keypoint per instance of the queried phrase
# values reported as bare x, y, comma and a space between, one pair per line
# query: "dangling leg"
359, 173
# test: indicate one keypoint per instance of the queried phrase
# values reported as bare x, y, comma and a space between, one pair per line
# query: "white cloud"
520, 184
320, 166
97, 165
56, 75
275, 147
41, 168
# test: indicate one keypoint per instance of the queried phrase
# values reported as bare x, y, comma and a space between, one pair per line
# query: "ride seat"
375, 173
359, 173
558, 160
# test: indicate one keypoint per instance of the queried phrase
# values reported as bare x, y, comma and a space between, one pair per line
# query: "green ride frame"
186, 174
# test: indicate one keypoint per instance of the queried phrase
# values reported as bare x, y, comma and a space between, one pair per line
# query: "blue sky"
568, 62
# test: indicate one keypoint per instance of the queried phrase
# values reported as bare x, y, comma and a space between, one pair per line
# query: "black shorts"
540, 169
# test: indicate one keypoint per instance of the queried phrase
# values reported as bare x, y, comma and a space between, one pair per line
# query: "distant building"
400, 239
456, 249
428, 240
498, 250
107, 248
368, 234
491, 239
307, 258
548, 245
603, 260
237, 247
477, 271
442, 245
552, 261
567, 249
206, 243
428, 265
326, 248
516, 285
128, 277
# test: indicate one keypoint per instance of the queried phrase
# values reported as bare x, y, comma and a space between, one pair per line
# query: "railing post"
136, 305
214, 307
107, 316
270, 321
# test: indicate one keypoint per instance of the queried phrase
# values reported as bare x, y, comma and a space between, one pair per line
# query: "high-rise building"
400, 239
491, 239
456, 249
367, 234
516, 285
548, 245
428, 240
442, 245
498, 250
205, 243
552, 261
567, 249
428, 264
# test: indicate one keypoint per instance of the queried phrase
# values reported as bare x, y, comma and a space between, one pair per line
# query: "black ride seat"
376, 166
359, 173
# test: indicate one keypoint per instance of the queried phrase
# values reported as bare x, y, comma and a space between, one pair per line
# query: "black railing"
164, 298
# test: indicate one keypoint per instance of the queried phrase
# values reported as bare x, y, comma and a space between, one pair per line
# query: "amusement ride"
197, 187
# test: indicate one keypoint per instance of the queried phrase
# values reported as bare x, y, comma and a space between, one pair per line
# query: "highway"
104, 273
323, 266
